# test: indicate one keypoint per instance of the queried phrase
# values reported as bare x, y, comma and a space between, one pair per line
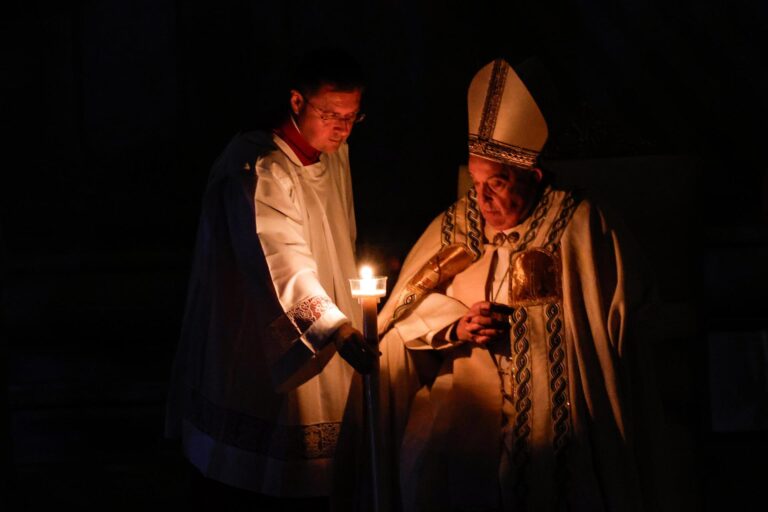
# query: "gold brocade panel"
534, 278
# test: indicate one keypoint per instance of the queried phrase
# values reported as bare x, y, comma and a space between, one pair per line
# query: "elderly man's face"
326, 118
504, 192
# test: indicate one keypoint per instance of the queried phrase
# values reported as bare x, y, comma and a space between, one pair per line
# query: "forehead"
329, 98
482, 169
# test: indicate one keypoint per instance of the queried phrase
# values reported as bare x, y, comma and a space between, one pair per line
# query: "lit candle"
367, 285
368, 290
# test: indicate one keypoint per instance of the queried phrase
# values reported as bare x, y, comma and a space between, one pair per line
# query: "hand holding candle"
353, 348
361, 352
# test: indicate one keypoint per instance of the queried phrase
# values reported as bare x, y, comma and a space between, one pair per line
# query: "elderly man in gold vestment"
514, 369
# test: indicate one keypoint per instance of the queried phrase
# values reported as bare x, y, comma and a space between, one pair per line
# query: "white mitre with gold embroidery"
505, 123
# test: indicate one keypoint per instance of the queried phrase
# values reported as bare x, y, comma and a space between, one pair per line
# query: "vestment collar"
289, 132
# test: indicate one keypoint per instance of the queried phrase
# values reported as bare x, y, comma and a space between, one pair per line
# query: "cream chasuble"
553, 418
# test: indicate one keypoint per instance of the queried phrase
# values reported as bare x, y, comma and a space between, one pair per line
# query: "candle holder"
368, 290
367, 285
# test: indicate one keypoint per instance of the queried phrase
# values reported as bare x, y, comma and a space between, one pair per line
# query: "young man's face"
326, 118
503, 191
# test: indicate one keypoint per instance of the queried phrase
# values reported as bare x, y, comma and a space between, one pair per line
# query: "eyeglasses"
333, 117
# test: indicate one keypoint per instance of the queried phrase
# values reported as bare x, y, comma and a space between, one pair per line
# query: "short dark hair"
327, 66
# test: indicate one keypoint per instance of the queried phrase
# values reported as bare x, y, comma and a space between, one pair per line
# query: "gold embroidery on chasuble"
461, 245
536, 403
534, 278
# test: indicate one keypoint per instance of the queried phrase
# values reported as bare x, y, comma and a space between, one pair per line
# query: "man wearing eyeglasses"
258, 389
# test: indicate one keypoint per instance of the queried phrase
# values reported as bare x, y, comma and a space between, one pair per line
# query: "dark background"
112, 113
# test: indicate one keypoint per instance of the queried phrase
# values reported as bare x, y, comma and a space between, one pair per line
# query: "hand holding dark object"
484, 322
354, 349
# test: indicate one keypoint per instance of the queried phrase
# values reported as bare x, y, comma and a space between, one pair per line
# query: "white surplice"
258, 392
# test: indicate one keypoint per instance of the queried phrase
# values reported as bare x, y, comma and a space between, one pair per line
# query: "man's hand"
354, 349
483, 322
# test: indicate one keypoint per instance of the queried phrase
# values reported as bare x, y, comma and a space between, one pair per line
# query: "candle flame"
366, 272
368, 286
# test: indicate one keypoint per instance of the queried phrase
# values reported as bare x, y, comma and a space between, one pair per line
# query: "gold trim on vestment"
434, 275
493, 99
500, 152
534, 278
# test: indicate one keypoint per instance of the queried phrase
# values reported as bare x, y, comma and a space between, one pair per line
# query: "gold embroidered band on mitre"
505, 153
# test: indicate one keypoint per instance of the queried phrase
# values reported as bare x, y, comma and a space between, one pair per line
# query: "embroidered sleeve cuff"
316, 318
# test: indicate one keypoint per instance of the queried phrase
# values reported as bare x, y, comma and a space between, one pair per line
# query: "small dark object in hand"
501, 309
